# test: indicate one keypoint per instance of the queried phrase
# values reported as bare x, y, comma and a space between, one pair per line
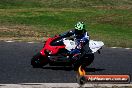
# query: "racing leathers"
80, 40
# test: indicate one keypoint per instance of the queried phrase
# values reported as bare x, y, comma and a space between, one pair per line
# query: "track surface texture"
15, 64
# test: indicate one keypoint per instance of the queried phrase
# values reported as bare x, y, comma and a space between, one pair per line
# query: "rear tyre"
38, 61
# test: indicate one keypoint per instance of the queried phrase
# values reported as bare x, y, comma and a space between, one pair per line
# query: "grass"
107, 20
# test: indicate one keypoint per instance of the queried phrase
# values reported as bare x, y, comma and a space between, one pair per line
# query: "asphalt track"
15, 64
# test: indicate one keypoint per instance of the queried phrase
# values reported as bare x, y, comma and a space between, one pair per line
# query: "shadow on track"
59, 68
93, 69
70, 68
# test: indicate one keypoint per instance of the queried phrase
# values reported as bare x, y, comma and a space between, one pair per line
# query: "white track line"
110, 47
120, 48
114, 47
31, 42
9, 41
128, 48
62, 85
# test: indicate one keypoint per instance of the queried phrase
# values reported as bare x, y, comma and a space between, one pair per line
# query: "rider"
80, 35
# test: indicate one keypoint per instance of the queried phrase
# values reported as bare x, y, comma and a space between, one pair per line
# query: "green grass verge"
107, 20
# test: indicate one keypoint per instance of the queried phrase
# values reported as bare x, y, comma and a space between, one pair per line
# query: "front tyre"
38, 61
84, 61
87, 59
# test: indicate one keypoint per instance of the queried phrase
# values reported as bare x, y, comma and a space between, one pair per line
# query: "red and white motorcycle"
55, 52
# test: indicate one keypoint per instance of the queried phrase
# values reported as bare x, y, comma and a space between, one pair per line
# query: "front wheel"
84, 61
38, 61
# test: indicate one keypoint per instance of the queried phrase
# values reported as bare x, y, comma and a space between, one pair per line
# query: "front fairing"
52, 46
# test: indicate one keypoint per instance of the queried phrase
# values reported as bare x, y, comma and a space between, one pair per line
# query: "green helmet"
80, 26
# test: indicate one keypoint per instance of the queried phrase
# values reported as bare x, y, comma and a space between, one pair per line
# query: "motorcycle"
55, 52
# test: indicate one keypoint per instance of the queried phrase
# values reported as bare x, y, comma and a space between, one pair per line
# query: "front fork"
43, 53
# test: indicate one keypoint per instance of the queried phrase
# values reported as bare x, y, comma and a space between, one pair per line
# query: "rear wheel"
38, 61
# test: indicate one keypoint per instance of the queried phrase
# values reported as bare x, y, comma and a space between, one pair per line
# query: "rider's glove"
79, 46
